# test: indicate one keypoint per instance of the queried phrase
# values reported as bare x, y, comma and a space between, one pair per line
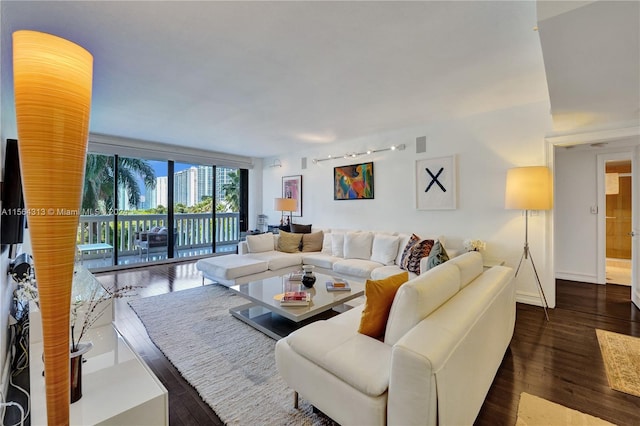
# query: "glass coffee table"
265, 313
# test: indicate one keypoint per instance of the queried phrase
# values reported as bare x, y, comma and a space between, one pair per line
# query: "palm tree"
98, 194
232, 191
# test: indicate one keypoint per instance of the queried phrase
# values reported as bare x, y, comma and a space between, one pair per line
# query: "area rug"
621, 355
230, 364
535, 411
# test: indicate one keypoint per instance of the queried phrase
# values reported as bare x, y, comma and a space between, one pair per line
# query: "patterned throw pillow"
418, 251
407, 250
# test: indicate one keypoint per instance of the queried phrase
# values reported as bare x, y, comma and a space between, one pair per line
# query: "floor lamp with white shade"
530, 188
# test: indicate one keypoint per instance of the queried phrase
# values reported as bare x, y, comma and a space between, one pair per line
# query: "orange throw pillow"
380, 295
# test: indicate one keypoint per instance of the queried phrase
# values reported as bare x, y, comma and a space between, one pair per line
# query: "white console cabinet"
117, 386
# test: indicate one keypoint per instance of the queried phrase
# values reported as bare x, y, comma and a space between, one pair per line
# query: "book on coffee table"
295, 276
295, 298
338, 284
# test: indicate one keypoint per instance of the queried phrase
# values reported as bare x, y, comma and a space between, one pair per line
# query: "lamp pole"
526, 254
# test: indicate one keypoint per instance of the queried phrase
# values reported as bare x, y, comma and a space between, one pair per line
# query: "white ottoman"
225, 269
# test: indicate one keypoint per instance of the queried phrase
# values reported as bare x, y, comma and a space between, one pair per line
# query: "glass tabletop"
264, 292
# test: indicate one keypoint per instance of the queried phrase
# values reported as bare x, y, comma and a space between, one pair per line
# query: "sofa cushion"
437, 255
321, 260
419, 297
231, 266
421, 249
357, 245
300, 229
337, 244
260, 243
387, 271
358, 360
355, 267
380, 294
289, 242
384, 248
470, 265
312, 241
277, 259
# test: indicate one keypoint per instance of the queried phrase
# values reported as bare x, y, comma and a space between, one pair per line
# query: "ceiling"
264, 78
592, 59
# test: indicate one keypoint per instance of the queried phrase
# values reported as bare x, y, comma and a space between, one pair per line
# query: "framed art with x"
436, 183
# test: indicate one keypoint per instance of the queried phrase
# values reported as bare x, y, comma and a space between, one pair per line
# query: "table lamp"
285, 205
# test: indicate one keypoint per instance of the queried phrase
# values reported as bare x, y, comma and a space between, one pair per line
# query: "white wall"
486, 146
576, 228
255, 193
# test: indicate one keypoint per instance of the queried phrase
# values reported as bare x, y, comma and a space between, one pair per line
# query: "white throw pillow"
326, 243
385, 249
357, 245
337, 244
260, 243
402, 242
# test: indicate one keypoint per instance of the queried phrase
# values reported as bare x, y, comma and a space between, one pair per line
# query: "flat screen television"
13, 217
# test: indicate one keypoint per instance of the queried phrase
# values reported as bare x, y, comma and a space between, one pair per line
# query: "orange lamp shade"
52, 86
285, 204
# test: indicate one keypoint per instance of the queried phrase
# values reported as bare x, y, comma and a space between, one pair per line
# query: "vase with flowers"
90, 302
474, 245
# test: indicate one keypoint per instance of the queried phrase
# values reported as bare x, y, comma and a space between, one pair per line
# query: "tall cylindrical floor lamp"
530, 188
52, 84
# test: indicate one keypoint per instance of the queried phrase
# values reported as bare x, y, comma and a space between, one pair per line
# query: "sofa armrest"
458, 348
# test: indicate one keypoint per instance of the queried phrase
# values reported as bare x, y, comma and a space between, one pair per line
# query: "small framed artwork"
292, 188
354, 182
436, 183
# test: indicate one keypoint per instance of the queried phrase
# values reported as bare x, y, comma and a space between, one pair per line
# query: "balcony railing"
193, 230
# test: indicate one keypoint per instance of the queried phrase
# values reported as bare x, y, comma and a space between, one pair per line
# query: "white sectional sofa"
361, 254
446, 335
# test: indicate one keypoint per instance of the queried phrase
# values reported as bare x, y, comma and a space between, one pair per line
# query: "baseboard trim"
572, 276
528, 298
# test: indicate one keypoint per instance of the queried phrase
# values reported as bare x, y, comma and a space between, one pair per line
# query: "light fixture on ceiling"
400, 147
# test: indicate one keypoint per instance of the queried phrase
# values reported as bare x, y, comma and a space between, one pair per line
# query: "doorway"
618, 217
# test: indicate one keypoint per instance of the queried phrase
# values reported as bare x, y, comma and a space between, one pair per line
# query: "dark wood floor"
557, 360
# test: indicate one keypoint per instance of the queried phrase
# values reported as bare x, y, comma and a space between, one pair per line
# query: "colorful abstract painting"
354, 182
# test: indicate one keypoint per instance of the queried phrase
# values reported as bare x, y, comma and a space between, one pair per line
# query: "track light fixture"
400, 147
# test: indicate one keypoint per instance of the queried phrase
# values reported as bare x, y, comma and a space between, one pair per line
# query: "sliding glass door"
96, 237
193, 209
137, 210
142, 199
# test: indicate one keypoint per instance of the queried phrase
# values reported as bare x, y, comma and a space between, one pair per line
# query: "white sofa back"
424, 294
418, 298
